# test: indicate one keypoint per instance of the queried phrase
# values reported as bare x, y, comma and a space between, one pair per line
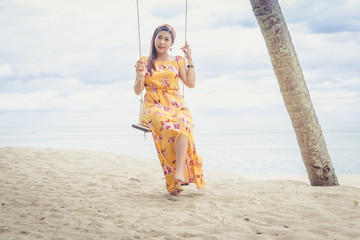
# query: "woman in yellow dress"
166, 113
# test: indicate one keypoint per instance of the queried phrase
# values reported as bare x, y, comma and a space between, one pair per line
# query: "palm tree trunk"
295, 93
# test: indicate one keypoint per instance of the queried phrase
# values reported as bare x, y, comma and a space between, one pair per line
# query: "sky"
71, 62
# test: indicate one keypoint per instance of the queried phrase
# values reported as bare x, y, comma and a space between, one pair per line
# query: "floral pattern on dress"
165, 82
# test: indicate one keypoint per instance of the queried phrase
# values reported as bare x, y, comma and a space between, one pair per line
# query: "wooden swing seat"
141, 127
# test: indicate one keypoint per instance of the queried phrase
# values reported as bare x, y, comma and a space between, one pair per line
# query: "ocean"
246, 150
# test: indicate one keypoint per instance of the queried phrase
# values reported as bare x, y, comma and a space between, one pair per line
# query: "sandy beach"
70, 194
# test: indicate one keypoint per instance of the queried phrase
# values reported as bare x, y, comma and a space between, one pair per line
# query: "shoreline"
81, 194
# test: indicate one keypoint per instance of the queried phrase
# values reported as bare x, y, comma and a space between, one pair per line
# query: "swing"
140, 126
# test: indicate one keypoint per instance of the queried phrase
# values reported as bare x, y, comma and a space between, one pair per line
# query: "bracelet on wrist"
190, 66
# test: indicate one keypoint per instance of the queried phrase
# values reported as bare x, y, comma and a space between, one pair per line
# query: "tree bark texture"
295, 93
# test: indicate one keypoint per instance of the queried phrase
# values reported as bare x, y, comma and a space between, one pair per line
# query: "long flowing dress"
168, 117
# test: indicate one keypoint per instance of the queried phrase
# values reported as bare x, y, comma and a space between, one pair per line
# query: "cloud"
83, 39
63, 95
169, 10
26, 102
234, 93
6, 70
324, 16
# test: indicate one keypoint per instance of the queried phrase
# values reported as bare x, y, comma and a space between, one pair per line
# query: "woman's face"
163, 42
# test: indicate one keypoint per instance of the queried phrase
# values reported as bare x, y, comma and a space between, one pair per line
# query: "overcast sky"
71, 62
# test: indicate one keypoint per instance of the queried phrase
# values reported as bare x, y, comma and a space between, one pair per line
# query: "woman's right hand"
140, 68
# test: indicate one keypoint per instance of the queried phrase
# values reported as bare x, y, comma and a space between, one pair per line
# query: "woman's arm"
140, 76
187, 73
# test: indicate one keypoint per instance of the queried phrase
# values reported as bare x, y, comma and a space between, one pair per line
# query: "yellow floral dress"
168, 117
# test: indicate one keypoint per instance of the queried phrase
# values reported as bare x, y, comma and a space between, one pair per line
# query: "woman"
166, 113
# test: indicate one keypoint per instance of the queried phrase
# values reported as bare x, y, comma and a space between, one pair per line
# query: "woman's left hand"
186, 49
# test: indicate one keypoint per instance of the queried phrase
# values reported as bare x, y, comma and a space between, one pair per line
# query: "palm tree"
295, 93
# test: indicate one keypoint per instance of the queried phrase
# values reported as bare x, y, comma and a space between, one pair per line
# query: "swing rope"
140, 126
142, 80
186, 7
138, 22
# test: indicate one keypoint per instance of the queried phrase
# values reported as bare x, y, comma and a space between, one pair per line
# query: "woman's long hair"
153, 52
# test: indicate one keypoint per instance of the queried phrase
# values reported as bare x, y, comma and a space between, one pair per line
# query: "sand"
65, 194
